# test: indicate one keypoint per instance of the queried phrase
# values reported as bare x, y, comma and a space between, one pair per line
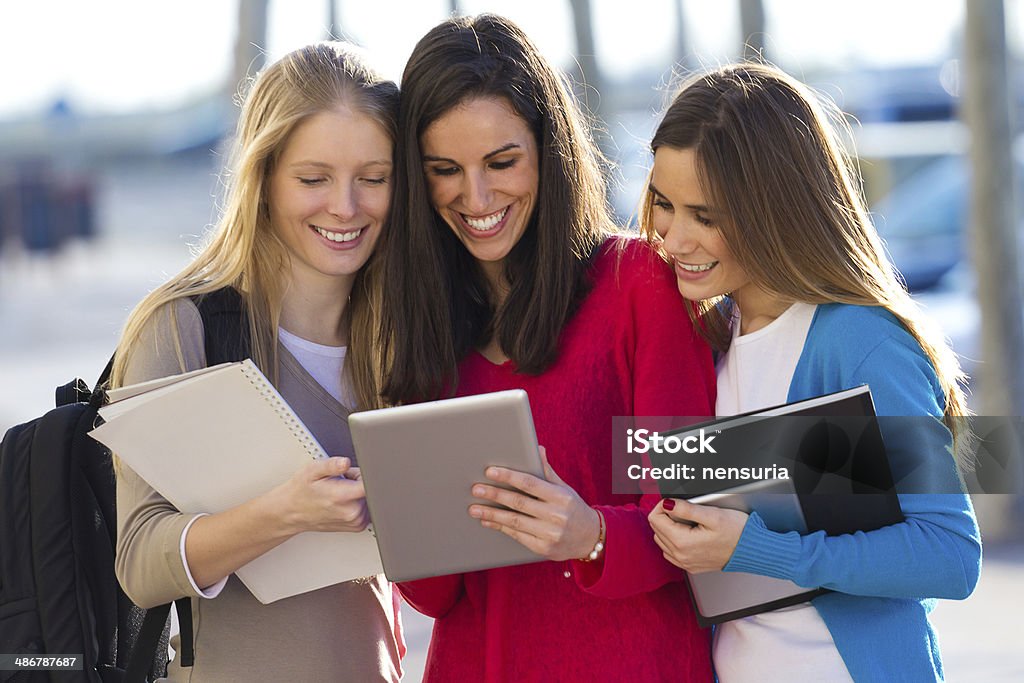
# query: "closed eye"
502, 165
443, 170
311, 181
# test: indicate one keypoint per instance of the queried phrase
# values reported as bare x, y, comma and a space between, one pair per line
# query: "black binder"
833, 450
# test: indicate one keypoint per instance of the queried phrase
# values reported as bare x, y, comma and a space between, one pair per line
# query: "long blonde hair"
243, 251
791, 206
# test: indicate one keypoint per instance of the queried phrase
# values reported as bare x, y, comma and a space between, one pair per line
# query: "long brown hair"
438, 305
243, 251
791, 205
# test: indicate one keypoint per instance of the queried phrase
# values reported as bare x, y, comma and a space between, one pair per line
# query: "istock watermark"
821, 454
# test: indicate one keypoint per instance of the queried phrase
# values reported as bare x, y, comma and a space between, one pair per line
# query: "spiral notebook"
211, 439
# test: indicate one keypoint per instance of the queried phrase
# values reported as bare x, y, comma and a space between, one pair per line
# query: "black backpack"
58, 592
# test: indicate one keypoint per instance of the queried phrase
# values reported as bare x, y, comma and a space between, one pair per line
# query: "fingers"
361, 520
691, 514
666, 550
549, 471
492, 518
527, 483
515, 500
535, 536
665, 526
698, 538
322, 468
351, 490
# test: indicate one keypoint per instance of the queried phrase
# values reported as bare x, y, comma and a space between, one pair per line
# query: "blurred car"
924, 218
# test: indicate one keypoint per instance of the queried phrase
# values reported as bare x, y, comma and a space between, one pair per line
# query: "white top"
324, 364
790, 644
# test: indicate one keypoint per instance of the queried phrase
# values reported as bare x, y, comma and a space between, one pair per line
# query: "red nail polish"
668, 503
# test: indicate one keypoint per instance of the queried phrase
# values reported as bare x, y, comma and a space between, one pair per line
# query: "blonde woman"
759, 211
308, 199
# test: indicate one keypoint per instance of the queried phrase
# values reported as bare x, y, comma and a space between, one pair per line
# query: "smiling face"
704, 265
482, 168
329, 192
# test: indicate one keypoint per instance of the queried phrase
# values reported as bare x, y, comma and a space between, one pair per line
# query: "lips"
485, 223
696, 268
340, 239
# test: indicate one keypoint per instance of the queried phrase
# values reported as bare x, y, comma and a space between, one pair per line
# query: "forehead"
675, 175
476, 127
337, 132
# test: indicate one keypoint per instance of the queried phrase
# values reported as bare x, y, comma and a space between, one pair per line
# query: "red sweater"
629, 350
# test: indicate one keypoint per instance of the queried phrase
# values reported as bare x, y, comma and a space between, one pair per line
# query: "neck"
316, 311
758, 307
498, 288
497, 283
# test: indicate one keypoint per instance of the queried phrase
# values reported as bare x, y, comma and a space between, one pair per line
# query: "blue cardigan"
886, 580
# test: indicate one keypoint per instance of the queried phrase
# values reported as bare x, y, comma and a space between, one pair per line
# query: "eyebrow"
323, 164
693, 207
503, 148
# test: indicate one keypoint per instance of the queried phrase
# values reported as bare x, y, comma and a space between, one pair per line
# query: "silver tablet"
419, 463
722, 596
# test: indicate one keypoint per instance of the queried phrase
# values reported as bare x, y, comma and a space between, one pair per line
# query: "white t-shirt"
323, 363
790, 644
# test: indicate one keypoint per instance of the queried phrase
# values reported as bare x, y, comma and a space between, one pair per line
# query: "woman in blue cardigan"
760, 211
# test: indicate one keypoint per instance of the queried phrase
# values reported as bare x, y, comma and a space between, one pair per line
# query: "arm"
672, 375
148, 560
936, 552
153, 545
435, 596
317, 498
664, 370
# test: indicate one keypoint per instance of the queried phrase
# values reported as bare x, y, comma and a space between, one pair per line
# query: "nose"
476, 193
343, 202
681, 237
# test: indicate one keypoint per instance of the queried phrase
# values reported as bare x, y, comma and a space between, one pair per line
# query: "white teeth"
697, 269
339, 236
486, 223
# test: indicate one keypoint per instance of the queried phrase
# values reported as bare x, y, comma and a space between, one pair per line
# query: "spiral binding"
283, 410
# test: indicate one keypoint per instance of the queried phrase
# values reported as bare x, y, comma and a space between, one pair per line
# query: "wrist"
276, 512
596, 551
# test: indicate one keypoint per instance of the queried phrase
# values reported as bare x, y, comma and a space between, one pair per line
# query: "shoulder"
632, 261
869, 345
169, 342
179, 316
634, 286
859, 331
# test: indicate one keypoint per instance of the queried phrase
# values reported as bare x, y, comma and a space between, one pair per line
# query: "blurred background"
114, 119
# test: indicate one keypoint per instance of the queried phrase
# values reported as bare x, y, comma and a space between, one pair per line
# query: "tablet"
722, 596
419, 463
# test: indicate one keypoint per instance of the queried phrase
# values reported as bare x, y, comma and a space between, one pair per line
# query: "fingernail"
668, 504
491, 472
478, 491
475, 512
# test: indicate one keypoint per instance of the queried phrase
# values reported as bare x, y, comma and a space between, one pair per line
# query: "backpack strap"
183, 606
149, 636
225, 325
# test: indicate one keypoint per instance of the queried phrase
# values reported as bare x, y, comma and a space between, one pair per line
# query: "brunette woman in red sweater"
504, 272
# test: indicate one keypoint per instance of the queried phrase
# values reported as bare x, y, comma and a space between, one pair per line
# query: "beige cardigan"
345, 632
